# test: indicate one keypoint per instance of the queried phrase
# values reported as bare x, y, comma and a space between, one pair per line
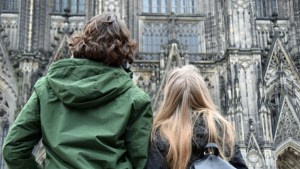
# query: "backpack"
211, 160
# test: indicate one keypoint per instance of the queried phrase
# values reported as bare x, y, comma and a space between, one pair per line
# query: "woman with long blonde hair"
186, 121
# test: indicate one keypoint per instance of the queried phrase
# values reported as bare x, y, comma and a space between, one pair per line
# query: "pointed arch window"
163, 6
146, 6
155, 6
9, 6
183, 5
77, 7
174, 6
154, 35
283, 8
167, 6
192, 6
188, 37
265, 8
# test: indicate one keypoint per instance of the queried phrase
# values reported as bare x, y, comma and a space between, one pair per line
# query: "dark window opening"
77, 7
10, 6
167, 6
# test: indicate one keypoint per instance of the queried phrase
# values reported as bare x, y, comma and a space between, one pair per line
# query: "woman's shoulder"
159, 141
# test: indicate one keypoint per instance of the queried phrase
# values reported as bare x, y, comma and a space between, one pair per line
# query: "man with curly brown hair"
87, 110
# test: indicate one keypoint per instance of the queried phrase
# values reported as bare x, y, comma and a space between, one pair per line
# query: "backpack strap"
211, 148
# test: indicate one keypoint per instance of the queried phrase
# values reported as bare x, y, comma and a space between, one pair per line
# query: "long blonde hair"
185, 98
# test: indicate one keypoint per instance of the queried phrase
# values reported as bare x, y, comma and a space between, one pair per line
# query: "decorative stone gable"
288, 125
280, 61
254, 154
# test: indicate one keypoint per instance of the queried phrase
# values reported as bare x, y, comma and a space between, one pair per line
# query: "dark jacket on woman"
159, 149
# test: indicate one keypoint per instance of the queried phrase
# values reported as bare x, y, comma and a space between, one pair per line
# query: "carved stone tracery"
240, 3
147, 80
111, 6
154, 35
288, 124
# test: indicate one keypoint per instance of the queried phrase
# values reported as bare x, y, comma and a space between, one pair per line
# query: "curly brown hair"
105, 38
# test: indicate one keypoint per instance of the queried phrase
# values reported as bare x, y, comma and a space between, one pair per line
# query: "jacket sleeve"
138, 132
237, 160
24, 134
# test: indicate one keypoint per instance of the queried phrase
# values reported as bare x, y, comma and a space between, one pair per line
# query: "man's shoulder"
41, 84
135, 92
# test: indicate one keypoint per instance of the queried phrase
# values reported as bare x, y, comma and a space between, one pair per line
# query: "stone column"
240, 24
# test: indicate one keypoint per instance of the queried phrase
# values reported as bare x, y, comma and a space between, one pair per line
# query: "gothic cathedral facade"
247, 50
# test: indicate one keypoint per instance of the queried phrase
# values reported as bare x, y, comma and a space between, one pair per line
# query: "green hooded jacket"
88, 115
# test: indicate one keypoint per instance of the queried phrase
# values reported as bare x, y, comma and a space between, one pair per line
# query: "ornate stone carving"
147, 81
10, 23
240, 3
57, 26
111, 6
208, 80
3, 110
288, 124
254, 155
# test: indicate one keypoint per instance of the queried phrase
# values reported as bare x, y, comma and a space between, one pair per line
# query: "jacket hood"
84, 83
